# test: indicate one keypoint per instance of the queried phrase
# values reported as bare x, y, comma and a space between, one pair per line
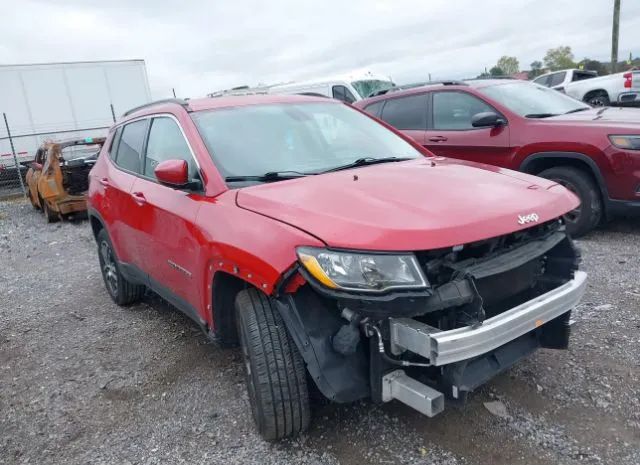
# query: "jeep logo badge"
530, 218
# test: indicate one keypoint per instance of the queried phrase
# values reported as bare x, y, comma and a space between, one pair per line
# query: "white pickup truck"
614, 89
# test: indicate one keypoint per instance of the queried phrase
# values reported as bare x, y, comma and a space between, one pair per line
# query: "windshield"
532, 100
368, 87
307, 138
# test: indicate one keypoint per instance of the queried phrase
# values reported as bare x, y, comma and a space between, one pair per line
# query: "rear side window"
406, 112
454, 110
543, 81
374, 108
166, 142
342, 93
130, 146
556, 79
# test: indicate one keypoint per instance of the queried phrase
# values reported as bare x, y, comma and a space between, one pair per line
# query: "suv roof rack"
182, 102
444, 82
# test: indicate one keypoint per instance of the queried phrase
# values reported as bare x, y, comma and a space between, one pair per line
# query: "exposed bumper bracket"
444, 347
424, 399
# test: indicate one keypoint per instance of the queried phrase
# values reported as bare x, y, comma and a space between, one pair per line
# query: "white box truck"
57, 101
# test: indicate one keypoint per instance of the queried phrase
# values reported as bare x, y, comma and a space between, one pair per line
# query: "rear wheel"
122, 292
598, 99
32, 199
275, 371
589, 213
49, 214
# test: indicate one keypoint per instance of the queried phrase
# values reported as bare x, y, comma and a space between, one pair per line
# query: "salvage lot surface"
85, 381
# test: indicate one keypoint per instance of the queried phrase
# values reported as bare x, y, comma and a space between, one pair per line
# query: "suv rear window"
374, 108
406, 112
130, 146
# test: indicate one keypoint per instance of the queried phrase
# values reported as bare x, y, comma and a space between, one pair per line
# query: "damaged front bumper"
444, 347
497, 344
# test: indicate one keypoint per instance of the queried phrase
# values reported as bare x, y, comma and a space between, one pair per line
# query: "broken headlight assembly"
362, 271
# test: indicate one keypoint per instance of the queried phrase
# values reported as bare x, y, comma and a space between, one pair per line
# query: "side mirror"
173, 173
487, 119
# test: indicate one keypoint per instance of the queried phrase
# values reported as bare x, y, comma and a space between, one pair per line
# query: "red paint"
585, 132
174, 172
253, 232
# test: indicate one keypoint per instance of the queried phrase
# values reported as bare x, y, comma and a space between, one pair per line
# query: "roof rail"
445, 82
179, 101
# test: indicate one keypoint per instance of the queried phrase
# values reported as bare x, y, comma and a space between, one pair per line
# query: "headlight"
626, 142
362, 272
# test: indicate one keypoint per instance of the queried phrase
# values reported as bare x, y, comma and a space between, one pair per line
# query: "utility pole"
614, 35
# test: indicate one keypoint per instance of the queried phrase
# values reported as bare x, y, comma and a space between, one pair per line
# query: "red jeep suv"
336, 251
595, 153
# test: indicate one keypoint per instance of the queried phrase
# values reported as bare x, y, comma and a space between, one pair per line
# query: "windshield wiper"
540, 115
576, 110
366, 161
269, 176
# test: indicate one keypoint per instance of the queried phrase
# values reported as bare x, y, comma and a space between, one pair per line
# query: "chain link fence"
17, 150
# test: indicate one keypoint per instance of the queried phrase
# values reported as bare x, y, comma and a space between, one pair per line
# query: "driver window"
342, 93
453, 110
166, 142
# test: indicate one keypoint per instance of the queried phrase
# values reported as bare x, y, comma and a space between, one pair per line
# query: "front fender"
253, 247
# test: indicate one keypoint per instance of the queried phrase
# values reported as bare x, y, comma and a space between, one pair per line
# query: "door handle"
438, 139
104, 182
139, 198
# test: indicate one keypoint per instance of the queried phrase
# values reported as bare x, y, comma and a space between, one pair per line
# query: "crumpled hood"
415, 205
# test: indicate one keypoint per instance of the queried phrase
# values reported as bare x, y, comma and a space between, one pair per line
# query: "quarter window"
406, 112
166, 142
342, 93
454, 110
130, 146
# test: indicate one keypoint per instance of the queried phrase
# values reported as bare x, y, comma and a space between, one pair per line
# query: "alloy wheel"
109, 270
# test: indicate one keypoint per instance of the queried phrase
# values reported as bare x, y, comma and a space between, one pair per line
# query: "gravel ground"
85, 381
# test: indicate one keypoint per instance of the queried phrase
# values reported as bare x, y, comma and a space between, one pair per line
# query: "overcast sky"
203, 45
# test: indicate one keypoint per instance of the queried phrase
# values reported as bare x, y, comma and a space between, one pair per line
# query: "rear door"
166, 218
119, 207
408, 114
451, 134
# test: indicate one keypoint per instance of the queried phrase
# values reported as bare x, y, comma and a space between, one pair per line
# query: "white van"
348, 88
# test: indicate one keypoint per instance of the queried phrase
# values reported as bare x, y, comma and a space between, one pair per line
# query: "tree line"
555, 59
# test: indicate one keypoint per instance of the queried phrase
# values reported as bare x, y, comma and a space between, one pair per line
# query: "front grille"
511, 284
433, 260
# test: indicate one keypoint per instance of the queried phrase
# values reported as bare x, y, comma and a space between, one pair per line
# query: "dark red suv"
335, 250
523, 126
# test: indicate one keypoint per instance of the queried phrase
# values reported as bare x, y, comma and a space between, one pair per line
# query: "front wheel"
589, 213
275, 370
122, 292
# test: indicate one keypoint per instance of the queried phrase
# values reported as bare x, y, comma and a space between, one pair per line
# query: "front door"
166, 219
451, 134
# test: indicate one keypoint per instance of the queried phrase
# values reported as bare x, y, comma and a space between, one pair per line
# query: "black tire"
275, 370
49, 214
588, 215
598, 99
122, 292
